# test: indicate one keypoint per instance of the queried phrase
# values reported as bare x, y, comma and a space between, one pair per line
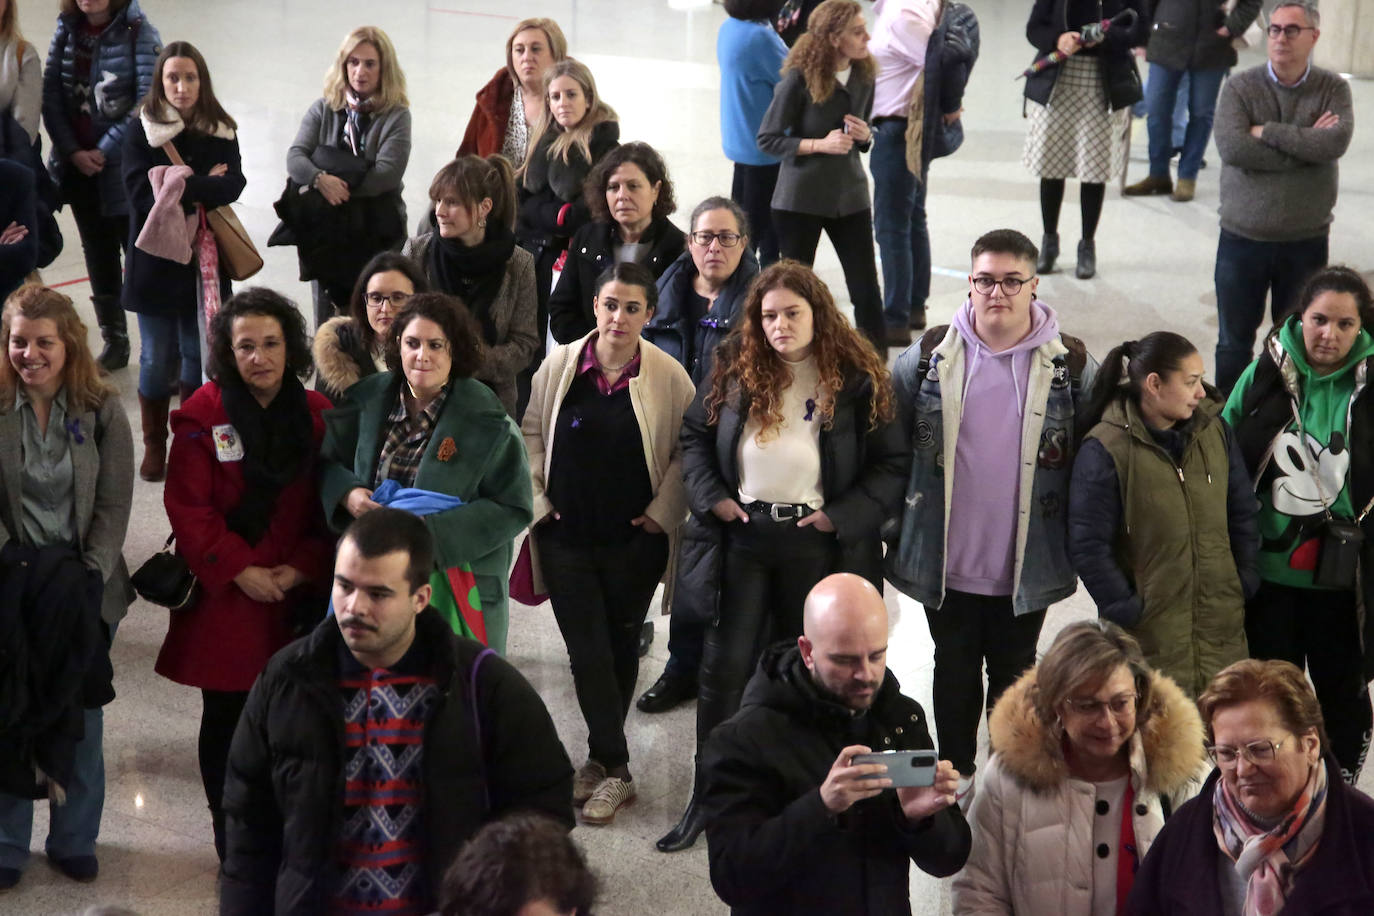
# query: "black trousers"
600, 594
852, 237
752, 188
102, 237
769, 569
1319, 630
220, 711
968, 631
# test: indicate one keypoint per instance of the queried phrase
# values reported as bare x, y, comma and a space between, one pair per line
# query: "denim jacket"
930, 420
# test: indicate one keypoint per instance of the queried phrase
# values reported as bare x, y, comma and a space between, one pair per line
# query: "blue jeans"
899, 222
73, 826
1246, 272
1161, 92
167, 341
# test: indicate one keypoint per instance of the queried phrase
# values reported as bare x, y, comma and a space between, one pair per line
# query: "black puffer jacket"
774, 846
863, 477
283, 792
1050, 18
1183, 33
694, 343
590, 252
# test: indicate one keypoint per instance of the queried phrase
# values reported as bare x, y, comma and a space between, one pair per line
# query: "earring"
481, 224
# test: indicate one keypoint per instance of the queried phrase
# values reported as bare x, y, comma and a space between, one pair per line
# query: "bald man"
793, 826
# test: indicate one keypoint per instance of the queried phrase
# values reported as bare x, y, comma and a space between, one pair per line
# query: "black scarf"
473, 274
277, 442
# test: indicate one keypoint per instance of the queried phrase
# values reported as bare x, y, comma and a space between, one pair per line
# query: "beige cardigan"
660, 395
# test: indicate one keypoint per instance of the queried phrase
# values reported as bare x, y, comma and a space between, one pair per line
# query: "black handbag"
165, 579
1338, 562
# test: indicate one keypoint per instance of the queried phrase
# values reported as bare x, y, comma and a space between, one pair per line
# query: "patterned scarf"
1269, 859
354, 132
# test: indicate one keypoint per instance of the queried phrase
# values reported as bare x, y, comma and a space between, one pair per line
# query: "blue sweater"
750, 55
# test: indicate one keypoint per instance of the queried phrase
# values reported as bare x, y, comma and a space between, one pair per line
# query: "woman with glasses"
1274, 829
1091, 750
1162, 519
470, 252
348, 348
630, 197
1304, 418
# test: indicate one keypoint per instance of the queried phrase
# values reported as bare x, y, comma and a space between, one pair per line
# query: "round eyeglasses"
1010, 285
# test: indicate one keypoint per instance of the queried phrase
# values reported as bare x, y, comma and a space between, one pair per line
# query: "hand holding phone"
905, 769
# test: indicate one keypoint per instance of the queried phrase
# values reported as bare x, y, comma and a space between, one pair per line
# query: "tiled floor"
655, 64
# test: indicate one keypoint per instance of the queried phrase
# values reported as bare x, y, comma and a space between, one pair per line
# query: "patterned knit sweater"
380, 850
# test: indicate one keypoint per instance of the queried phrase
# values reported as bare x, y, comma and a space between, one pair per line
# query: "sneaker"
588, 777
1150, 185
610, 796
963, 796
1184, 190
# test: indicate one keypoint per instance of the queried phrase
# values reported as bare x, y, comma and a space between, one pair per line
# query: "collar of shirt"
1269, 65
425, 418
589, 363
416, 660
21, 397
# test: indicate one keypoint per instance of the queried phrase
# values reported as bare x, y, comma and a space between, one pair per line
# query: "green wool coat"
488, 472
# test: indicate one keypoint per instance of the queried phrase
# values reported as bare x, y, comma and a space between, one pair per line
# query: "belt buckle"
790, 509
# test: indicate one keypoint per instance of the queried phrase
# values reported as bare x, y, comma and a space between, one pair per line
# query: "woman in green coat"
430, 427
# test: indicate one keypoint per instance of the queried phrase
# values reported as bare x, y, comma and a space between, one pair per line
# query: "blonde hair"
86, 389
814, 54
579, 135
9, 26
391, 87
558, 43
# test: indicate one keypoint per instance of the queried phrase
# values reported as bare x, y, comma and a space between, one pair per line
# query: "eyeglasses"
726, 239
1289, 31
1118, 705
1255, 752
396, 300
1010, 285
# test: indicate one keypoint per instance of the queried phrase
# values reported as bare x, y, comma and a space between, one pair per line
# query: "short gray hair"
1308, 7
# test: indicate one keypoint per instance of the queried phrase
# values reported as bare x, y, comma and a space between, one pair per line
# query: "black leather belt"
881, 119
779, 512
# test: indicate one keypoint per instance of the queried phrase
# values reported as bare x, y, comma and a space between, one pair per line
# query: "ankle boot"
114, 330
1049, 250
1087, 260
154, 412
689, 826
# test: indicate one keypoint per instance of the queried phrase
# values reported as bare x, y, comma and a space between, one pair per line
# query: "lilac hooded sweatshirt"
981, 549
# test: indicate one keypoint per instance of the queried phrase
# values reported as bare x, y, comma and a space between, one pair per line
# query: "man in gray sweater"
1280, 128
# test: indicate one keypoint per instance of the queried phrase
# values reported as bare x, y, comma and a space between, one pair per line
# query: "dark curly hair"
747, 363
259, 300
464, 335
380, 264
515, 861
648, 160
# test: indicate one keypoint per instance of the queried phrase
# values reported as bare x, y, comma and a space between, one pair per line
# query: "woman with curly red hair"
792, 460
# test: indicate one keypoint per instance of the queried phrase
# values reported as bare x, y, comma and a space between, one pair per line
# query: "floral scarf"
1269, 859
355, 133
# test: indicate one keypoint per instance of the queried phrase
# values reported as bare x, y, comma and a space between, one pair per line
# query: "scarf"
277, 443
1269, 859
473, 274
354, 129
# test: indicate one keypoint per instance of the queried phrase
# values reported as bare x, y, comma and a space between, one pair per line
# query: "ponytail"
1126, 367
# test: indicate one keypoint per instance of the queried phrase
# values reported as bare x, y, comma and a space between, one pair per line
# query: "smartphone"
905, 768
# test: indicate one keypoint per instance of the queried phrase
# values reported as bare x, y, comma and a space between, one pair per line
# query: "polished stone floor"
655, 63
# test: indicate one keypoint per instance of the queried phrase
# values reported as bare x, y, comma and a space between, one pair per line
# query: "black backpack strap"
928, 342
1076, 359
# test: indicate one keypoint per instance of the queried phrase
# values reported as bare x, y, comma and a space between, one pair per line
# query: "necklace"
612, 370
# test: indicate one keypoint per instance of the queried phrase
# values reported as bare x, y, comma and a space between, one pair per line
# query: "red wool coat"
487, 126
226, 638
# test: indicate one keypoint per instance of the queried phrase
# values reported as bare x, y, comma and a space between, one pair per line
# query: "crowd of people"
551, 364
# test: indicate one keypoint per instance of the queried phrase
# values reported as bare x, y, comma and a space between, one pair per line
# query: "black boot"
646, 638
1049, 250
686, 830
114, 329
1087, 260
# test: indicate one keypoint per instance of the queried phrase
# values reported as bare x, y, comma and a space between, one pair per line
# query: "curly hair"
814, 55
514, 861
649, 162
86, 387
259, 300
747, 364
464, 335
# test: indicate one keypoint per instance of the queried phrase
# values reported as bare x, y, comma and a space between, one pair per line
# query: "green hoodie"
1290, 498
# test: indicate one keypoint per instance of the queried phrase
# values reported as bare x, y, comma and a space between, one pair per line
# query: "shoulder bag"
237, 253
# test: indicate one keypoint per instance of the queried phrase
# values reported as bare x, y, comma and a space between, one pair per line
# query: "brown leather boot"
154, 411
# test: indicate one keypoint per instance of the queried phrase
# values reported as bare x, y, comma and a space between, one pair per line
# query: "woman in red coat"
242, 497
509, 105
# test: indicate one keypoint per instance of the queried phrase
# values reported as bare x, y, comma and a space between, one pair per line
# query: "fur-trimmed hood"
159, 132
1166, 753
338, 354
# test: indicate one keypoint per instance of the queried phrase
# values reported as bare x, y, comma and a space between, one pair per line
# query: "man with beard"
373, 748
793, 825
